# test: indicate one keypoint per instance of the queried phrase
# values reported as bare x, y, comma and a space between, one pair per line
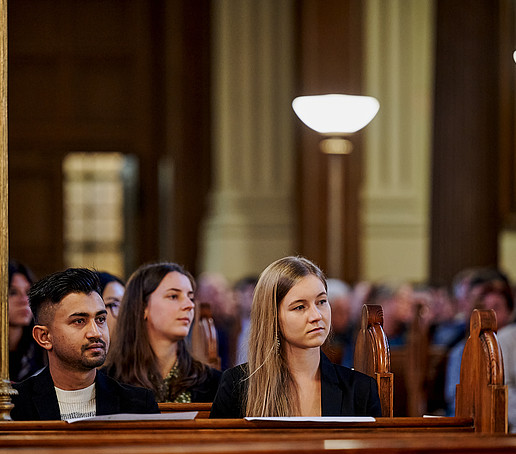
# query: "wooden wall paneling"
465, 222
35, 210
146, 113
81, 78
329, 57
187, 138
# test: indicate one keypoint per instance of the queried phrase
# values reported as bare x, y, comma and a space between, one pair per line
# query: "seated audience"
340, 344
149, 347
71, 326
286, 373
397, 309
112, 290
25, 355
478, 283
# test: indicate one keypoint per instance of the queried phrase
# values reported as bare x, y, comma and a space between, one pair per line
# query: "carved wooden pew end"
482, 394
372, 355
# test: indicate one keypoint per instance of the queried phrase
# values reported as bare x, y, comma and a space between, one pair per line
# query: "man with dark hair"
71, 326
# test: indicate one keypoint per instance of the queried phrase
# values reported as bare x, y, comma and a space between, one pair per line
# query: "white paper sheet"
316, 418
140, 417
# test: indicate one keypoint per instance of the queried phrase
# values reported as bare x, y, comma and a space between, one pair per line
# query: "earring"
278, 345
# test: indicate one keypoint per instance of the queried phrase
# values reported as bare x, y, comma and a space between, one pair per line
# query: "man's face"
78, 334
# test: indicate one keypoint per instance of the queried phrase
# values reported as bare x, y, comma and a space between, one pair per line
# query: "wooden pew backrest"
204, 339
482, 394
372, 355
203, 408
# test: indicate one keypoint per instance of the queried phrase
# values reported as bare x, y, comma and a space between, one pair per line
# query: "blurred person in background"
25, 356
214, 289
340, 344
112, 288
243, 293
507, 340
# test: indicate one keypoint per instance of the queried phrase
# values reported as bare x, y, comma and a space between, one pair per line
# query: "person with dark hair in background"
112, 290
149, 347
501, 300
25, 355
243, 291
70, 324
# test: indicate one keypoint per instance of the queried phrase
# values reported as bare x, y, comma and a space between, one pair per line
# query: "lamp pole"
336, 209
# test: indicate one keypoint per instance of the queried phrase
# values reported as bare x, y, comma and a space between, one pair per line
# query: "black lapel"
107, 399
331, 393
45, 397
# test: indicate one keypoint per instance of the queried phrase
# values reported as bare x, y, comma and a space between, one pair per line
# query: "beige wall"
395, 197
251, 207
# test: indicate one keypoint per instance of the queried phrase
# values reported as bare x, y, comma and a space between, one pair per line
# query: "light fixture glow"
336, 114
514, 56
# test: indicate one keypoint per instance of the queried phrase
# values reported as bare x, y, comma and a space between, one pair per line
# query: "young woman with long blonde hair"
286, 373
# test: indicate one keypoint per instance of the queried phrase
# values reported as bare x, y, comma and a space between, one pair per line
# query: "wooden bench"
481, 394
216, 436
481, 407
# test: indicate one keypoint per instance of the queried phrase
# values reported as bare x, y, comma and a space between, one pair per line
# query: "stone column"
399, 58
251, 207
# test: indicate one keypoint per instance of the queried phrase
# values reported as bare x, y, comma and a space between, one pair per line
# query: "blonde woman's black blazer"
344, 392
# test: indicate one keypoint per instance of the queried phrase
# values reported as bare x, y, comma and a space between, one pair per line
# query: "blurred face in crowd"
113, 293
19, 309
340, 313
304, 314
213, 288
497, 302
170, 309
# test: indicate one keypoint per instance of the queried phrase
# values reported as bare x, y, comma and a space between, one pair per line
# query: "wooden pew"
413, 364
482, 357
481, 393
209, 436
256, 442
372, 355
482, 397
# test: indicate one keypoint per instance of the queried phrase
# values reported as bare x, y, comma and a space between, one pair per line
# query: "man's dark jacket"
37, 399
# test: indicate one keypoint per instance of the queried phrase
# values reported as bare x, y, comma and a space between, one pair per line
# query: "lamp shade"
336, 114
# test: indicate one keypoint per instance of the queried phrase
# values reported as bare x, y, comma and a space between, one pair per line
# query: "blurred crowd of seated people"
443, 314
